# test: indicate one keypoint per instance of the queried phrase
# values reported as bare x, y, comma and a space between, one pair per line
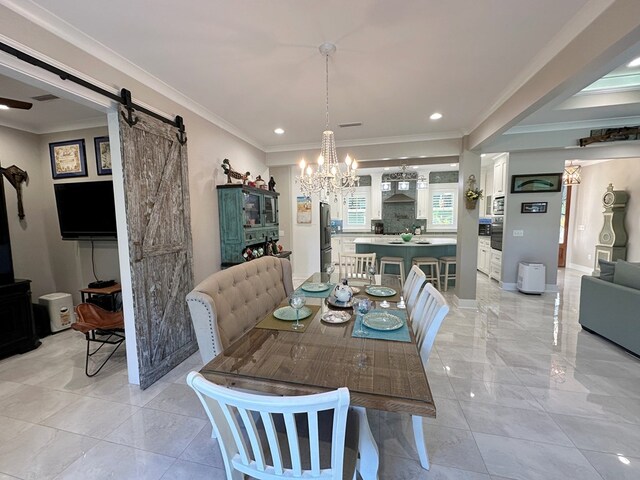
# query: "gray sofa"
612, 308
228, 303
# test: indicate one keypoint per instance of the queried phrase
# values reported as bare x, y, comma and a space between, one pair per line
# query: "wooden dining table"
380, 374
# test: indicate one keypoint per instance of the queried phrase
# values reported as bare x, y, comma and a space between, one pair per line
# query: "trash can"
60, 308
531, 277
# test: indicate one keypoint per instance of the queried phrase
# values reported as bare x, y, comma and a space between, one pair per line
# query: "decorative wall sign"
540, 182
68, 159
303, 209
103, 155
533, 207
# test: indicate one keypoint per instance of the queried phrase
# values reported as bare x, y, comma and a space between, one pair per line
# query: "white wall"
587, 208
541, 231
29, 244
70, 260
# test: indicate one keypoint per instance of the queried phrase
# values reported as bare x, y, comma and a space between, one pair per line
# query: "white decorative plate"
314, 287
289, 313
336, 316
382, 321
377, 291
332, 300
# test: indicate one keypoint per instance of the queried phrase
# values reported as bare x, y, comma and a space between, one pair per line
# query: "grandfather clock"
613, 237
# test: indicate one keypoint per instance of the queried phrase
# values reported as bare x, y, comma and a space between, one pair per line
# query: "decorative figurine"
272, 184
231, 173
259, 182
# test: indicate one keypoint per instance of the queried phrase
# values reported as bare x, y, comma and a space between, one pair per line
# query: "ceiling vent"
352, 124
45, 98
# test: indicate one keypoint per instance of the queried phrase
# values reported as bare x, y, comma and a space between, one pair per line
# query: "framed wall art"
303, 209
103, 155
533, 207
538, 182
68, 159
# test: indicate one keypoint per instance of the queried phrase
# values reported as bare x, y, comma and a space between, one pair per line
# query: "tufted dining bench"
228, 303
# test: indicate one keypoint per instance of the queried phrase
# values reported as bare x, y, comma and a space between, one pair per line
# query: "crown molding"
369, 141
62, 29
555, 127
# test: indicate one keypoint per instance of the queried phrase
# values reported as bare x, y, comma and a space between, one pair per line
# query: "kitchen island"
419, 246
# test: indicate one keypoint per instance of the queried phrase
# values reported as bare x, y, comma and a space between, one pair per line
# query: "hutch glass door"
252, 209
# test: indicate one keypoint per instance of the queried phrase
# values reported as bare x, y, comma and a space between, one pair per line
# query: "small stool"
434, 268
445, 263
399, 261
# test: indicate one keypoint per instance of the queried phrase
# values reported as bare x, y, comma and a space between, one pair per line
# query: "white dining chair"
409, 280
356, 265
268, 437
417, 283
430, 311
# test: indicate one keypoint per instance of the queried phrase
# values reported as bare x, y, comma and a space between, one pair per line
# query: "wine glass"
297, 301
329, 268
362, 307
372, 273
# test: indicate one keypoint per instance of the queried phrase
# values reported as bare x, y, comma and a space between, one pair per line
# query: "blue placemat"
400, 335
322, 294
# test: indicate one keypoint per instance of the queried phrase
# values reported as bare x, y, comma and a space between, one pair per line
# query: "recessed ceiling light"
422, 156
436, 116
634, 63
453, 164
279, 131
415, 167
3, 107
483, 154
386, 168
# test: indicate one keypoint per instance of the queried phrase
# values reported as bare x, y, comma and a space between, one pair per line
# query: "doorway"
565, 212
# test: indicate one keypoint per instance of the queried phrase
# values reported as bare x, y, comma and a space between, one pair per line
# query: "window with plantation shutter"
443, 208
355, 208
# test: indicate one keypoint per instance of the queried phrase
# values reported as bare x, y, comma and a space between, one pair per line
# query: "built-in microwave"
498, 206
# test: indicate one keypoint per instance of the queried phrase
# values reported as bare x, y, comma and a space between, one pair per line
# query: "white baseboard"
580, 268
513, 287
470, 303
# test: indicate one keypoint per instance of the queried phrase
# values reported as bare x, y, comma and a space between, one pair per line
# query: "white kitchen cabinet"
336, 246
422, 203
376, 196
499, 176
484, 255
496, 264
486, 184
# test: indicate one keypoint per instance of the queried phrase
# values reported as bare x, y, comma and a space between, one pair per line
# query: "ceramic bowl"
406, 236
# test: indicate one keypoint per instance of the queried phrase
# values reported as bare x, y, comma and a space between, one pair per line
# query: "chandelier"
571, 174
330, 177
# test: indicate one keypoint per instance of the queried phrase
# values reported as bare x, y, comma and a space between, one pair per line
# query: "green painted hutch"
248, 217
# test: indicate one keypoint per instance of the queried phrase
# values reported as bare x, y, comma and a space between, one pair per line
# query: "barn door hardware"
182, 137
124, 98
128, 104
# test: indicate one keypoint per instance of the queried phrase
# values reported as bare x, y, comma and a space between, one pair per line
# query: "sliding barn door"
160, 251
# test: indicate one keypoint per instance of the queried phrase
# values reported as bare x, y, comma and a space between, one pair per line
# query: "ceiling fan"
10, 103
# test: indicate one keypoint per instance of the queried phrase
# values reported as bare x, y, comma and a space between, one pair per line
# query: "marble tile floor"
521, 391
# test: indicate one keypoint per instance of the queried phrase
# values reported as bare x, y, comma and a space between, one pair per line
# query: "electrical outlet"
518, 233
589, 257
581, 228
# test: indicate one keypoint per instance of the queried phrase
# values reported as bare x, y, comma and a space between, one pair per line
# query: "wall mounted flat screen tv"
86, 210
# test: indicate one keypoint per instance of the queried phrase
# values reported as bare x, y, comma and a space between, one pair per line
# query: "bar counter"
419, 246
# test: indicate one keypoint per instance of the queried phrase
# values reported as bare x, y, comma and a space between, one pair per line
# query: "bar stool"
445, 263
399, 261
434, 268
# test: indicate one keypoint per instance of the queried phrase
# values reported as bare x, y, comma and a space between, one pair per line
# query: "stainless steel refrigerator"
325, 235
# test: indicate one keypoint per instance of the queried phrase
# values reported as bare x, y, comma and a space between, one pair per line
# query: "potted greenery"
472, 194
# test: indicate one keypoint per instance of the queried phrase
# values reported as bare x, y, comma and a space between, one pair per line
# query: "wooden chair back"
430, 310
264, 452
356, 265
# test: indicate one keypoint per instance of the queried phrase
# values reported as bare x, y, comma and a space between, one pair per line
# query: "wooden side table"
111, 292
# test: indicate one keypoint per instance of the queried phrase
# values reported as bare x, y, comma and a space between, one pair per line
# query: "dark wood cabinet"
17, 329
